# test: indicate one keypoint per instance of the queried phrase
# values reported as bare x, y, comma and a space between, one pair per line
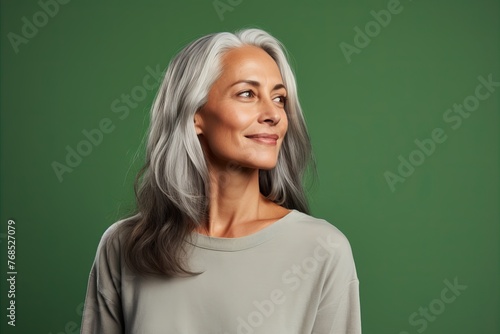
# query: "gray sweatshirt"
295, 276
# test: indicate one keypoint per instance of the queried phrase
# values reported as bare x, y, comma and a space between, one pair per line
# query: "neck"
235, 198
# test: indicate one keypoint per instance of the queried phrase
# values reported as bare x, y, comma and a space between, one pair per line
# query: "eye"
280, 99
247, 93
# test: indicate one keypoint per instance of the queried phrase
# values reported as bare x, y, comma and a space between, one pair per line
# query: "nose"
270, 113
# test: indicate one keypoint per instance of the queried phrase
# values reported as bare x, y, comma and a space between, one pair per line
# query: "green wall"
369, 100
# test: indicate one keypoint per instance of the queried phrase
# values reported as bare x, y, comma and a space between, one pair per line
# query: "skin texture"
247, 101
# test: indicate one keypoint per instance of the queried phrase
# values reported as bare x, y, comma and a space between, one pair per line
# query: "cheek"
227, 123
285, 120
284, 124
225, 132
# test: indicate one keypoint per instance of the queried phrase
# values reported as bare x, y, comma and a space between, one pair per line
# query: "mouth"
264, 138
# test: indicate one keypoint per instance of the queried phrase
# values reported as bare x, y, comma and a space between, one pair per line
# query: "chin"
265, 165
263, 162
267, 168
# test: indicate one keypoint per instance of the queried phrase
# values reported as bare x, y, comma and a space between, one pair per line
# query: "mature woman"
222, 241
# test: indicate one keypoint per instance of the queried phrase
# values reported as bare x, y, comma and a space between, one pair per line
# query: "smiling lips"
264, 138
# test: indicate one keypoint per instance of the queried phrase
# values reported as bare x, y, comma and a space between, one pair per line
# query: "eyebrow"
257, 84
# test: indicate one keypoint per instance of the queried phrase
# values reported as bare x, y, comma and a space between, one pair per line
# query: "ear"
197, 119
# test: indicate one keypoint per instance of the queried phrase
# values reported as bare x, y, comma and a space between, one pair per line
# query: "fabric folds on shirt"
295, 276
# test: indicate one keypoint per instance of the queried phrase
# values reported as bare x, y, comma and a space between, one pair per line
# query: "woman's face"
244, 121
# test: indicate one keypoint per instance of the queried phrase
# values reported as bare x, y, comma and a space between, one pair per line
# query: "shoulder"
320, 238
111, 237
308, 227
109, 262
109, 249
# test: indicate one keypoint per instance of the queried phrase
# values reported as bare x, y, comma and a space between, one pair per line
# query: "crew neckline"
240, 243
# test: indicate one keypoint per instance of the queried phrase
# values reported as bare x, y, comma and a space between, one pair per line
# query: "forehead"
249, 60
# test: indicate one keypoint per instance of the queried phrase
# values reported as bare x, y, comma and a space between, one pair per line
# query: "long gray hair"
172, 188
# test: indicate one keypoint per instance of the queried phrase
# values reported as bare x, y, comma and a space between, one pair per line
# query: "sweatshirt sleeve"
339, 309
102, 312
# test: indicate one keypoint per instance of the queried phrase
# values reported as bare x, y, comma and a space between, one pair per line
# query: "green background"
442, 223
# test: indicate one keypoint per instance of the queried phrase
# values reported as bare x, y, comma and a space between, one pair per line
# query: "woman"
221, 241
